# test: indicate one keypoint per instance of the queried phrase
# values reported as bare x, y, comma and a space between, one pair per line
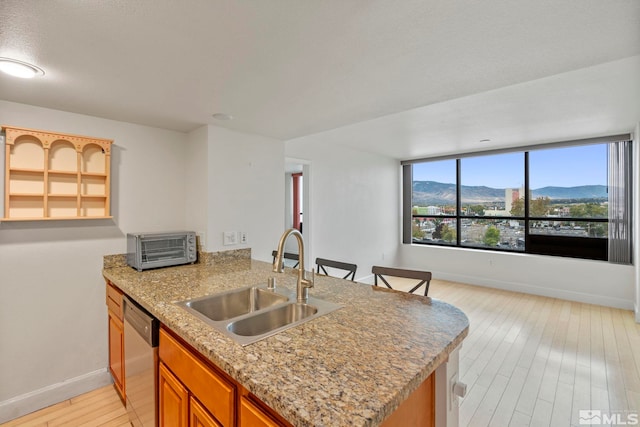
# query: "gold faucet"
302, 288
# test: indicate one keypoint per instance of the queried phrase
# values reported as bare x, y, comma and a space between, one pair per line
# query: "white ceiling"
459, 71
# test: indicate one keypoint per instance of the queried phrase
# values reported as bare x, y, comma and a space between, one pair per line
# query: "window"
550, 200
434, 203
490, 188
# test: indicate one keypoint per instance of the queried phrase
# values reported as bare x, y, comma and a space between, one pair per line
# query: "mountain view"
438, 193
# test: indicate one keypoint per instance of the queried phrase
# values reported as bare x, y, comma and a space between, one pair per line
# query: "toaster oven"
154, 250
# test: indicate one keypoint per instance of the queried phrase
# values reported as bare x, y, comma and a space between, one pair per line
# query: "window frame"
593, 248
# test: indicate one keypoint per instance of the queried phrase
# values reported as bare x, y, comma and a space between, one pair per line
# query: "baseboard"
530, 289
538, 290
52, 394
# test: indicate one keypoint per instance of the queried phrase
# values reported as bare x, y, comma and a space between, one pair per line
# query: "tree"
540, 207
588, 210
517, 207
416, 231
477, 210
437, 233
449, 234
491, 236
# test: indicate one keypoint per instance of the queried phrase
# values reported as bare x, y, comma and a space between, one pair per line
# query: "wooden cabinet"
418, 409
213, 391
198, 415
55, 176
252, 414
178, 408
214, 398
116, 338
173, 400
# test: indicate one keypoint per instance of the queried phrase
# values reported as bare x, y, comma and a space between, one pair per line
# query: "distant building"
510, 196
497, 212
434, 210
429, 210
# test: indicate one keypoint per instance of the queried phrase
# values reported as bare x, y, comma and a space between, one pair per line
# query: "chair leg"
426, 289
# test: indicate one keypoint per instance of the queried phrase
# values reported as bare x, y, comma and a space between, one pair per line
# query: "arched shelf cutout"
93, 159
26, 152
63, 156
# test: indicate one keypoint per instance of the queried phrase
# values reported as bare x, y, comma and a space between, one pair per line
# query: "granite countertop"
351, 367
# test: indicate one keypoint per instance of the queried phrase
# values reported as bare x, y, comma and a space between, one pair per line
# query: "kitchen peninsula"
352, 367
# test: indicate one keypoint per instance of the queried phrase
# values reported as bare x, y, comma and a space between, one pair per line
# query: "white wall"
197, 182
354, 200
53, 318
245, 190
636, 216
595, 282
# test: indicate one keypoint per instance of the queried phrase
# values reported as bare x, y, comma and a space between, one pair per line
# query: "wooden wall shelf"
55, 176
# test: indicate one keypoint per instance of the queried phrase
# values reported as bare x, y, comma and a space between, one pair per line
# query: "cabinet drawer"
215, 392
114, 300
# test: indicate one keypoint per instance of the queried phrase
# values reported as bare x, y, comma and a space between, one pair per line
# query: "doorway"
297, 206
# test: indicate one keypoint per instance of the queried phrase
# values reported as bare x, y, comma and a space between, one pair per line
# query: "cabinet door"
252, 415
116, 353
173, 404
199, 417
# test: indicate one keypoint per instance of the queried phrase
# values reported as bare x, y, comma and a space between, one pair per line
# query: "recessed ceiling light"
222, 116
20, 69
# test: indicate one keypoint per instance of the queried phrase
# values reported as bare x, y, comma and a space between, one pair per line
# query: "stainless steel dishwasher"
141, 364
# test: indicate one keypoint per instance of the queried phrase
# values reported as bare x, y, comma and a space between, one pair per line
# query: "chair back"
322, 264
424, 277
287, 255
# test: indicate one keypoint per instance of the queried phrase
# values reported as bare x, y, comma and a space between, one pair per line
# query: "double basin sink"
252, 313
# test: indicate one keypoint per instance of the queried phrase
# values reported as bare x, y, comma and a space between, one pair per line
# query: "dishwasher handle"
142, 321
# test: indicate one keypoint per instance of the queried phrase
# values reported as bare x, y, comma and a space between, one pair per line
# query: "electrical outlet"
243, 237
229, 238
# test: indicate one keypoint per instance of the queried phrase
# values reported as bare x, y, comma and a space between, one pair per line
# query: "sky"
557, 167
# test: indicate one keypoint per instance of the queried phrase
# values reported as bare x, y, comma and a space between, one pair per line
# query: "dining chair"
423, 276
287, 256
322, 264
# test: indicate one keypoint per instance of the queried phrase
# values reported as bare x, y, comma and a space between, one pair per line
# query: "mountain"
427, 193
580, 192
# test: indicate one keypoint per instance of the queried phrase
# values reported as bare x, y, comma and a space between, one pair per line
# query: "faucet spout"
303, 285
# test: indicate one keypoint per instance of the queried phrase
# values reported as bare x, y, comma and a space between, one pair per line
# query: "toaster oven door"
164, 250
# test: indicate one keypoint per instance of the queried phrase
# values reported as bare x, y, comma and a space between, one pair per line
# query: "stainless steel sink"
272, 319
234, 303
253, 313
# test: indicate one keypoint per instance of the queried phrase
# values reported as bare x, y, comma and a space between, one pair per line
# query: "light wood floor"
528, 361
101, 407
536, 361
